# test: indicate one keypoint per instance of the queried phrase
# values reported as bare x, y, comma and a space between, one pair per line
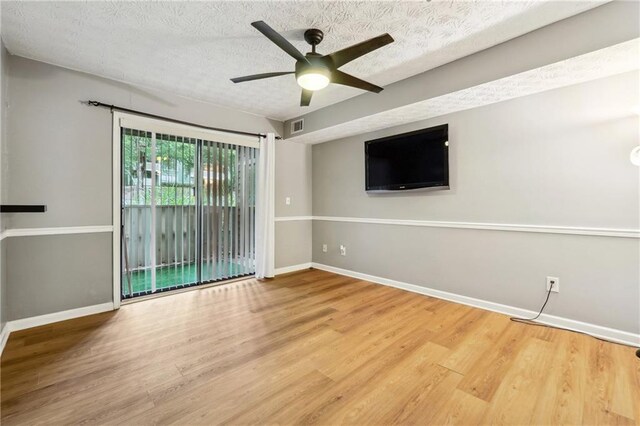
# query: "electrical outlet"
556, 284
287, 201
343, 250
324, 248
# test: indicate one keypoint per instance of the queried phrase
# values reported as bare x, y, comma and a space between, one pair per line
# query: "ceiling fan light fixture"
315, 71
314, 78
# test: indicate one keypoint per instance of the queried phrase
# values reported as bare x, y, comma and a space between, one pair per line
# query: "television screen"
412, 160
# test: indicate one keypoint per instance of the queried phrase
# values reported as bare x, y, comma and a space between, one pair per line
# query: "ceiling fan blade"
350, 53
345, 79
260, 76
305, 99
282, 42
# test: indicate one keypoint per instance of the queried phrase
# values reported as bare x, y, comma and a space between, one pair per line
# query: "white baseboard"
614, 335
293, 268
24, 323
4, 336
592, 329
31, 322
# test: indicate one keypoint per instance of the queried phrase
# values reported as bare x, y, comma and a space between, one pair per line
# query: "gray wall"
70, 144
60, 155
293, 242
55, 273
3, 180
555, 158
293, 180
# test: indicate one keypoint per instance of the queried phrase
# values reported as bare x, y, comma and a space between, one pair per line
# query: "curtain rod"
133, 111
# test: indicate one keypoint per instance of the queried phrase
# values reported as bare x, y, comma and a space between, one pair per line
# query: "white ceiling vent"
297, 126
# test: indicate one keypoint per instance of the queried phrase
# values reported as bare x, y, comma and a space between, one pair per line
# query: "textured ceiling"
193, 48
613, 60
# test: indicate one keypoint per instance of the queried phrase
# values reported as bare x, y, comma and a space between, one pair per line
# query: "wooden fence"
227, 235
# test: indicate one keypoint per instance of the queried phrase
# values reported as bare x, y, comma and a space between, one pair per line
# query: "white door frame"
155, 126
117, 172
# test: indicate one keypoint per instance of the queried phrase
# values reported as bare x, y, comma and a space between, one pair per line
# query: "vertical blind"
228, 210
188, 211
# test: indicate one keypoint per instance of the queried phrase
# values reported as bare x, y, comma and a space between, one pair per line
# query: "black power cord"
528, 320
532, 321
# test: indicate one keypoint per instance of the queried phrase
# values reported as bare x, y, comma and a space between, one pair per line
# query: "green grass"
170, 276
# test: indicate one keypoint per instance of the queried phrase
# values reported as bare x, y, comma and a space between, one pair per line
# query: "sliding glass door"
188, 211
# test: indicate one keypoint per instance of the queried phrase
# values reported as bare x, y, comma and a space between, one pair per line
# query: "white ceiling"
194, 48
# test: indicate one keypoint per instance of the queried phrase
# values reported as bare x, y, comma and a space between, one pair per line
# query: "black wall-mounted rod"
22, 208
172, 120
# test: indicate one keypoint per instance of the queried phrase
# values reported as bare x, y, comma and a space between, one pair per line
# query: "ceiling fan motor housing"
313, 36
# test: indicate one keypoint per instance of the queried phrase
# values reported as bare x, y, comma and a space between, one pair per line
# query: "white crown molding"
293, 218
58, 230
598, 331
544, 229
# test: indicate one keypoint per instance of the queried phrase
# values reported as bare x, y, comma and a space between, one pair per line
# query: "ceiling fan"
315, 71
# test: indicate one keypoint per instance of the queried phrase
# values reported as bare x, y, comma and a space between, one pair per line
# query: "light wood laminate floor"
312, 347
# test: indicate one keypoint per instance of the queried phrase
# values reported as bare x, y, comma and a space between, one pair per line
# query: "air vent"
297, 126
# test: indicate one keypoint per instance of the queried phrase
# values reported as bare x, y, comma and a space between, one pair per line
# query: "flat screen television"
408, 161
